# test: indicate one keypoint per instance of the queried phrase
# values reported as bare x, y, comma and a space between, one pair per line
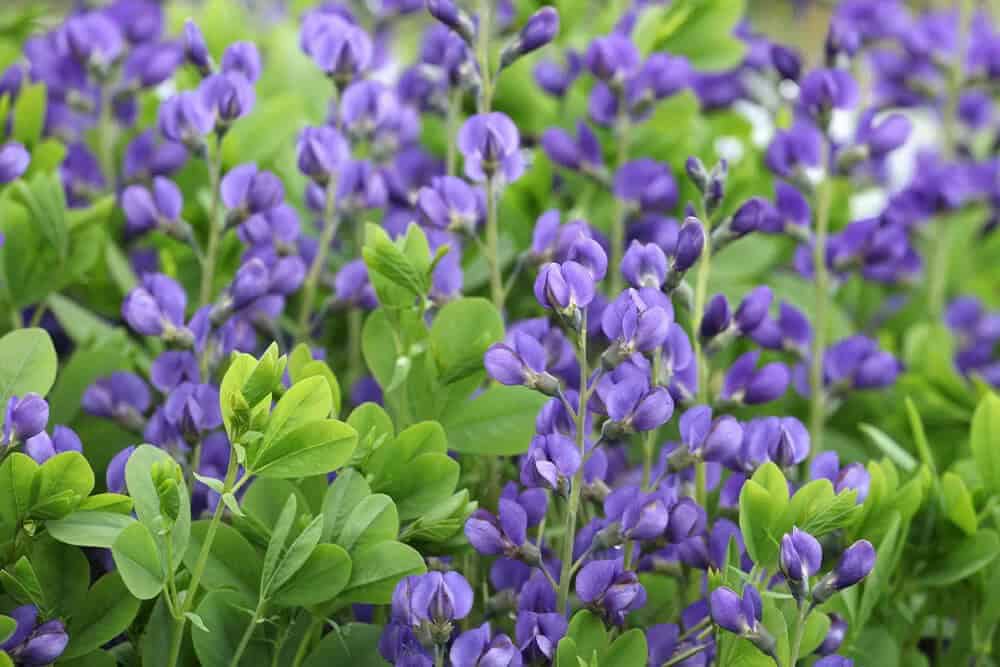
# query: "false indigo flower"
753, 308
195, 48
633, 326
42, 447
854, 565
193, 409
538, 634
717, 318
740, 616
145, 157
340, 48
582, 153
834, 636
826, 465
787, 62
564, 287
33, 644
746, 384
503, 534
690, 242
26, 417
476, 648
715, 440
229, 95
646, 185
887, 135
834, 661
449, 203
521, 362
149, 65
857, 361
186, 119
145, 210
644, 265
242, 57
491, 144
449, 14
607, 586
551, 462
540, 29
556, 79
14, 160
632, 406
156, 308
612, 58
321, 152
352, 286
94, 40
121, 396
800, 556
246, 191
798, 147
825, 89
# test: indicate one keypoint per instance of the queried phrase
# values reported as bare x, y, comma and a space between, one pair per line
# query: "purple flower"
690, 242
195, 49
321, 152
795, 148
146, 210
14, 161
644, 517
167, 372
633, 326
495, 535
854, 565
753, 309
540, 29
229, 95
555, 79
94, 39
352, 286
151, 64
564, 287
242, 58
646, 185
26, 416
633, 406
822, 90
449, 14
476, 648
885, 136
440, 597
42, 447
193, 409
581, 153
538, 634
491, 144
612, 58
606, 585
644, 265
155, 308
857, 362
146, 157
834, 636
246, 191
186, 118
552, 460
33, 644
716, 319
520, 362
834, 661
800, 556
786, 62
115, 475
450, 203
715, 440
740, 616
747, 384
340, 48
826, 465
121, 396
400, 646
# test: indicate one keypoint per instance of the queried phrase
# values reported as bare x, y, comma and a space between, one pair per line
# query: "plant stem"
438, 656
451, 130
330, 223
314, 626
493, 245
622, 131
355, 323
574, 493
800, 628
684, 655
700, 297
483, 55
105, 139
649, 440
817, 397
248, 634
199, 567
215, 226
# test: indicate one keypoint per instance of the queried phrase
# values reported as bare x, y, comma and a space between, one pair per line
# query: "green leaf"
107, 610
985, 440
231, 400
346, 493
29, 113
7, 627
377, 569
323, 575
354, 644
17, 477
499, 422
373, 520
28, 363
43, 198
588, 633
142, 488
308, 400
115, 503
138, 560
232, 562
430, 480
629, 650
226, 615
817, 625
276, 546
89, 528
295, 556
64, 472
390, 461
63, 573
956, 502
889, 447
311, 448
964, 559
877, 582
690, 27
920, 435
461, 333
21, 582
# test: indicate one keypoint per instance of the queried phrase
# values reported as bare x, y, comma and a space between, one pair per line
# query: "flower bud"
26, 417
540, 29
448, 13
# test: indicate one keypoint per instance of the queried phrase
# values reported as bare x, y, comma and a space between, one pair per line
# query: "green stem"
493, 245
800, 629
451, 129
355, 324
649, 441
247, 634
574, 494
483, 55
314, 626
684, 655
215, 226
199, 567
105, 139
330, 224
622, 131
700, 298
817, 396
438, 655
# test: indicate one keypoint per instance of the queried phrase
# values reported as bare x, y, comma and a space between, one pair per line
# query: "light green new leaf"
28, 363
88, 528
138, 560
985, 440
